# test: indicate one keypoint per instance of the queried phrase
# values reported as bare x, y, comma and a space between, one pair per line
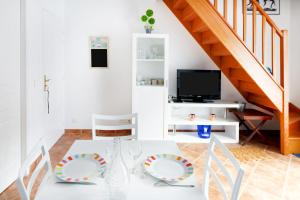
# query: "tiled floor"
270, 177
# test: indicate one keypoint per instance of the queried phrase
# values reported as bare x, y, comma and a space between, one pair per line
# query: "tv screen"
199, 84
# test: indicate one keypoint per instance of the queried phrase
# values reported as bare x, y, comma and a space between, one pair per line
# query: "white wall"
44, 55
108, 91
10, 131
294, 41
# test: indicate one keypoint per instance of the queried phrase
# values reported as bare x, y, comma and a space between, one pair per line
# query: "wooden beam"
284, 115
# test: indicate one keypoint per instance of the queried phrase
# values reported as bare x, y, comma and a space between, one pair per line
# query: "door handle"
46, 83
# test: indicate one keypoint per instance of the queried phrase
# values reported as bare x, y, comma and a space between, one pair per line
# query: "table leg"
242, 122
255, 130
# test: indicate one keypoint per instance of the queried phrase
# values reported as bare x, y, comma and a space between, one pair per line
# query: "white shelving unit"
150, 83
178, 116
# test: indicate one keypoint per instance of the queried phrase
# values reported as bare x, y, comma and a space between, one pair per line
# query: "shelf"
150, 85
150, 60
215, 104
192, 137
182, 120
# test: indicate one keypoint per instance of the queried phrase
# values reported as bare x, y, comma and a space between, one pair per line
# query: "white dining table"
141, 188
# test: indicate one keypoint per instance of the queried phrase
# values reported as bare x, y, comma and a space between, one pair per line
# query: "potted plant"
149, 20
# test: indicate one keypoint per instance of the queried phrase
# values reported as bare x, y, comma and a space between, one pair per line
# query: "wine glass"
135, 151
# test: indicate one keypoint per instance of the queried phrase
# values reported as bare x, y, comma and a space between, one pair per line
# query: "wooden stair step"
250, 87
294, 117
294, 128
229, 62
294, 134
239, 74
293, 108
219, 50
294, 144
179, 4
188, 14
209, 38
255, 99
199, 26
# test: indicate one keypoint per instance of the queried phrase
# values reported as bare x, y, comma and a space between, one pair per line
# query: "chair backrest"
120, 122
234, 182
39, 152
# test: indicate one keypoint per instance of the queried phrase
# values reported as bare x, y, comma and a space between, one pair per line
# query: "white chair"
121, 122
39, 150
234, 183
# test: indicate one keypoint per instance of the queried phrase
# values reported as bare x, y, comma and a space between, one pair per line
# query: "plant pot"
148, 29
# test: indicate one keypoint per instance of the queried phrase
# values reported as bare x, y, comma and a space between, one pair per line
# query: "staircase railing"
276, 50
273, 51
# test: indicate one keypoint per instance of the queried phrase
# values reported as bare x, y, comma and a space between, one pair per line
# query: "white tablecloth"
140, 188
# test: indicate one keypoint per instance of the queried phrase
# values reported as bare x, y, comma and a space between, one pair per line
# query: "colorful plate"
80, 168
169, 168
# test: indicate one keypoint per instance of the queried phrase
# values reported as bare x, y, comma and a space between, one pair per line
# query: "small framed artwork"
272, 7
99, 51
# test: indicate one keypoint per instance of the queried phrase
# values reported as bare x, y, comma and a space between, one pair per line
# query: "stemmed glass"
134, 151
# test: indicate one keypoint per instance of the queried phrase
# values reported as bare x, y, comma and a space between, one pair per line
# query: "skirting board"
88, 132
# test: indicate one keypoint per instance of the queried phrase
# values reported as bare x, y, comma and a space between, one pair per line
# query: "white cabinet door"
149, 104
10, 135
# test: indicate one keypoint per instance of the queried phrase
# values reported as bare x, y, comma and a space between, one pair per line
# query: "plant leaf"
151, 21
149, 13
144, 18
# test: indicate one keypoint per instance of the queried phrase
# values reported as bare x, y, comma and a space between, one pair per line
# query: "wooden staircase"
208, 21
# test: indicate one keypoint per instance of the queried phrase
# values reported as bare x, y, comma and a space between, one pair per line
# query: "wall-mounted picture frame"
99, 51
272, 7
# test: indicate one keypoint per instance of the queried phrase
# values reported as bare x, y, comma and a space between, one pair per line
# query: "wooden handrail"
266, 21
268, 18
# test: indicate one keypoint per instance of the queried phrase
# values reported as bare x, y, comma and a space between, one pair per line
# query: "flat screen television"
198, 85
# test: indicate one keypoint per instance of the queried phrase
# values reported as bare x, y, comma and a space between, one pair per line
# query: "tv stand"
227, 127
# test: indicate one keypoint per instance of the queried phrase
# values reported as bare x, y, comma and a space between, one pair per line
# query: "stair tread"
295, 136
294, 117
199, 26
188, 14
180, 4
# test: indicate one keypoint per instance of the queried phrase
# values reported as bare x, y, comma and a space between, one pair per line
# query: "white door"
10, 131
53, 63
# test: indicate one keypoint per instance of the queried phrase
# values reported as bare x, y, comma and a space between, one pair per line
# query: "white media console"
225, 127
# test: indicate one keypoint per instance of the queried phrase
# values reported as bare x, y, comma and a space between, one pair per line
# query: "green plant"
148, 19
